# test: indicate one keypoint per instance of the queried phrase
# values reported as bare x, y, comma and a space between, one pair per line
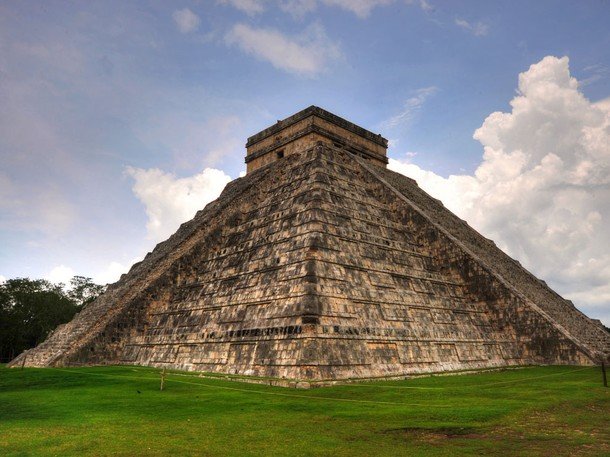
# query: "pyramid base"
302, 383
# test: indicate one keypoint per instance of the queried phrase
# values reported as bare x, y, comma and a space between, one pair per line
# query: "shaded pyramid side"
587, 333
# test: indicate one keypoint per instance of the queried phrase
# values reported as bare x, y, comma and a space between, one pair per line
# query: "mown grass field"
541, 411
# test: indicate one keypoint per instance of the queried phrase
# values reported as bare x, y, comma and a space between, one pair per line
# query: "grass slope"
542, 411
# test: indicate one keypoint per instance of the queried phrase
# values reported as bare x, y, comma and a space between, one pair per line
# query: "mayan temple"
321, 264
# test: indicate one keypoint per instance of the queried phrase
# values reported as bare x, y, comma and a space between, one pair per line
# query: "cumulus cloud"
542, 190
107, 275
307, 54
411, 107
60, 273
2, 279
186, 20
476, 28
111, 273
170, 201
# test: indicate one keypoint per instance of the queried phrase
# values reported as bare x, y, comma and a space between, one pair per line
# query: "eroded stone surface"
322, 265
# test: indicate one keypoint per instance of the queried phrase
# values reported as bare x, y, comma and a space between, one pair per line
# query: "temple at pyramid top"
308, 127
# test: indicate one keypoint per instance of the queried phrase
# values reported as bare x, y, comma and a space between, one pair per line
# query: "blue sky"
118, 120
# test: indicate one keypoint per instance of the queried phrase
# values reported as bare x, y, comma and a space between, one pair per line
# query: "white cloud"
60, 273
594, 73
2, 279
542, 191
425, 5
111, 273
193, 141
411, 107
64, 95
298, 8
307, 54
186, 20
249, 7
361, 8
170, 201
477, 29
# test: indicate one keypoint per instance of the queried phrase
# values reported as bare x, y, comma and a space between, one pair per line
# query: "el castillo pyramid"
321, 264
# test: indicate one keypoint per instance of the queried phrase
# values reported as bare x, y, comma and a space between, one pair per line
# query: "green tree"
31, 309
83, 290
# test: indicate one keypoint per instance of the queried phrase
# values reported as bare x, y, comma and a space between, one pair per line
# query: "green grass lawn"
542, 411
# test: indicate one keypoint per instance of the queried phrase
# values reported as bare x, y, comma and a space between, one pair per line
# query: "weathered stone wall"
320, 266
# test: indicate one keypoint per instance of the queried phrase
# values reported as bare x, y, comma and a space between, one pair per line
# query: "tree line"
31, 308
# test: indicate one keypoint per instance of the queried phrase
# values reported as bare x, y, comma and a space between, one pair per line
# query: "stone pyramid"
321, 264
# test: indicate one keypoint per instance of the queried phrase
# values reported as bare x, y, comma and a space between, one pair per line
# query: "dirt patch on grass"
437, 432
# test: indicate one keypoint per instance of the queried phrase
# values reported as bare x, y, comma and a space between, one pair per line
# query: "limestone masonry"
321, 264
